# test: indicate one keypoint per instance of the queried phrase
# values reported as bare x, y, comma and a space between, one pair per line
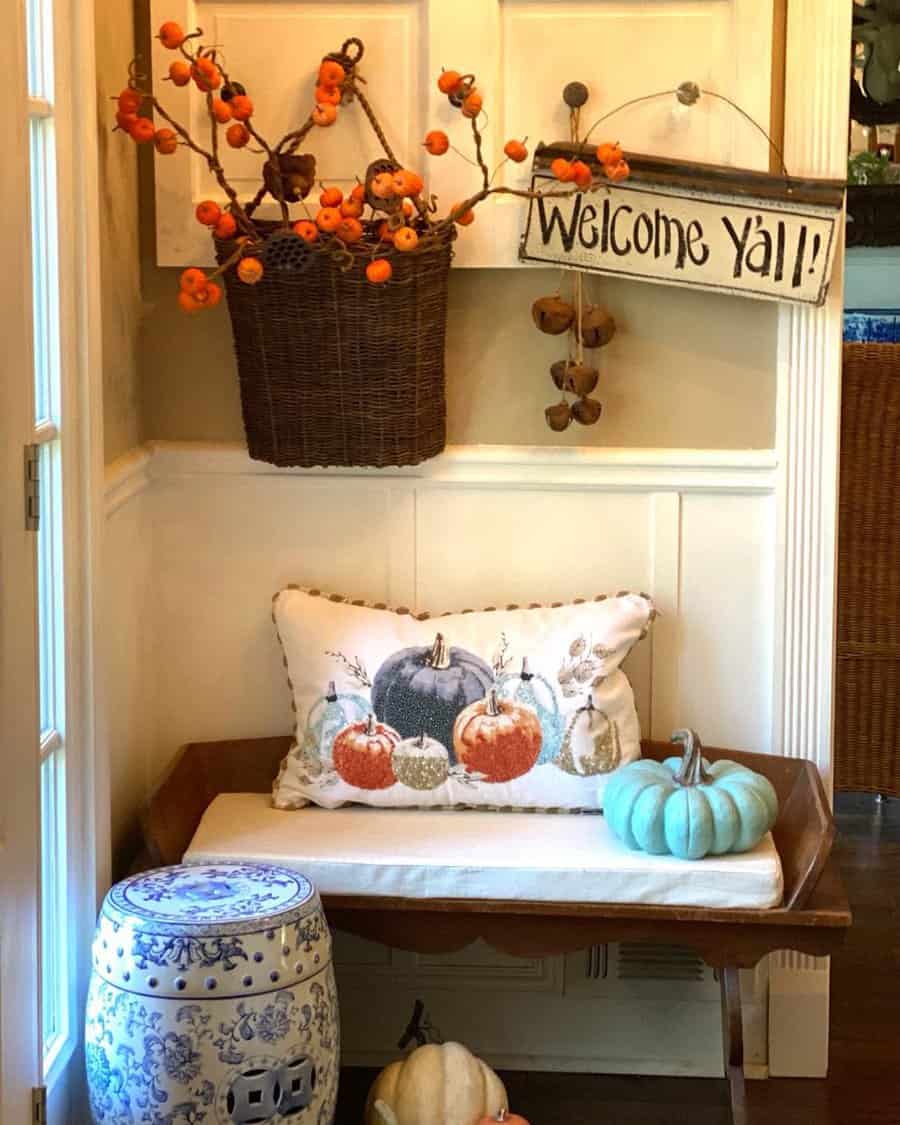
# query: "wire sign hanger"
673, 222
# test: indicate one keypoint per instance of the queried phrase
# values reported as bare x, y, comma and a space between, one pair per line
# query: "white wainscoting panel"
200, 537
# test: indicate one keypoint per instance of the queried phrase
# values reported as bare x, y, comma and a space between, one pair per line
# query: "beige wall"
119, 258
686, 369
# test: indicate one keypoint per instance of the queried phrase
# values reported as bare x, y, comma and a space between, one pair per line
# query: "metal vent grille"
637, 961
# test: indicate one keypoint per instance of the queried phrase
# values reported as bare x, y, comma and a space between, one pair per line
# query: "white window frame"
86, 815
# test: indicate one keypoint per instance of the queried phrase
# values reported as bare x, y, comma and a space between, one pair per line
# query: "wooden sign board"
698, 225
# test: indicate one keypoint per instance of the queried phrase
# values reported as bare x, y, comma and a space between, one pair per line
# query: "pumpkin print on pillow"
512, 709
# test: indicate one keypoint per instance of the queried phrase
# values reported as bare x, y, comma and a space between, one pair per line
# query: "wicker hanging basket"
336, 371
333, 369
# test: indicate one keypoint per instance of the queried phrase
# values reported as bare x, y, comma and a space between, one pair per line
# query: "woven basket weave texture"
867, 703
337, 371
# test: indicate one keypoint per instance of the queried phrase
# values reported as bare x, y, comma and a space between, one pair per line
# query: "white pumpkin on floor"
445, 1083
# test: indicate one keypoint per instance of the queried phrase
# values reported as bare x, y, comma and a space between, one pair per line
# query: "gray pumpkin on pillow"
421, 690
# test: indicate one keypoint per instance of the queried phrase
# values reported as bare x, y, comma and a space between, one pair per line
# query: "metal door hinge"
32, 489
39, 1105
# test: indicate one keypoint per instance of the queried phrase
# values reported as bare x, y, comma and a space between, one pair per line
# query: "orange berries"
349, 230
331, 197
407, 183
209, 295
206, 74
436, 142
406, 239
197, 292
328, 95
180, 72
191, 278
171, 35
352, 208
331, 73
449, 81
166, 141
582, 175
237, 135
226, 227
188, 302
609, 154
142, 130
324, 115
516, 151
465, 219
562, 169
221, 111
329, 219
241, 107
382, 185
125, 120
359, 193
129, 101
250, 270
385, 234
208, 213
308, 231
472, 104
617, 172
379, 271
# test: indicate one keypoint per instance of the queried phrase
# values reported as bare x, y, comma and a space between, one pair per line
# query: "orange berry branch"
385, 214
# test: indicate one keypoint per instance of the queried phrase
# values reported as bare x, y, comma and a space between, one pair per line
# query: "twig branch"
521, 193
479, 156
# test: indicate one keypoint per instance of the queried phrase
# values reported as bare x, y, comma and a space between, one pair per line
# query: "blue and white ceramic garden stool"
212, 1000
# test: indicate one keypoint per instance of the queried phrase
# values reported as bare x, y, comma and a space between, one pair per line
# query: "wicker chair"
867, 717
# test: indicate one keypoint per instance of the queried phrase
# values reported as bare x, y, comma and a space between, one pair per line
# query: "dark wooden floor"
864, 1081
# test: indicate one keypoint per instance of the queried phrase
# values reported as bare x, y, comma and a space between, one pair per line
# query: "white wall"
199, 538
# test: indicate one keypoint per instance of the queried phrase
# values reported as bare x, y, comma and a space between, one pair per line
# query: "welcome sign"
691, 224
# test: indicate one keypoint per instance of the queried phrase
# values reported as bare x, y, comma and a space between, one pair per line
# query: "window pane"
39, 22
54, 938
45, 271
51, 632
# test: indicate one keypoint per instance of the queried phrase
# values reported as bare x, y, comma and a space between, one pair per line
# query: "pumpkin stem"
526, 675
331, 694
421, 742
493, 706
692, 771
439, 657
370, 726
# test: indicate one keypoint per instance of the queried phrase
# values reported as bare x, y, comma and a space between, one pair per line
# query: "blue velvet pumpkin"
327, 717
536, 692
688, 808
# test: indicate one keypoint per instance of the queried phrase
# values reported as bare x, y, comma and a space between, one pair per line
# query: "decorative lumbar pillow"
511, 709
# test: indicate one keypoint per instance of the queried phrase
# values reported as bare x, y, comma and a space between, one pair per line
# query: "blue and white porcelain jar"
212, 1000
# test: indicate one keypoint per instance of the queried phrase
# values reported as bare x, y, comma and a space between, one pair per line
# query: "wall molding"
808, 444
751, 471
126, 478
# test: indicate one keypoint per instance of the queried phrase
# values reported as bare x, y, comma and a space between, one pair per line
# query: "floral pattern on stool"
212, 1000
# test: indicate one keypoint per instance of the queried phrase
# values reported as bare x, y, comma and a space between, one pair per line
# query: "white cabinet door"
522, 52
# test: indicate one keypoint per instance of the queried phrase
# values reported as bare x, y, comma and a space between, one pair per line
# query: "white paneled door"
47, 821
20, 1056
522, 53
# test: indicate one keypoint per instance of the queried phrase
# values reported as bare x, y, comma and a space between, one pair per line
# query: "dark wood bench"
813, 918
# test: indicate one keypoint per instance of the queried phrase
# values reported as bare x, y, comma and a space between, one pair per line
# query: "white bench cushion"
534, 857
